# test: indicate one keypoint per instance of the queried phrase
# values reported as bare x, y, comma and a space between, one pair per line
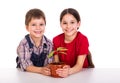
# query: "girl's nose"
68, 25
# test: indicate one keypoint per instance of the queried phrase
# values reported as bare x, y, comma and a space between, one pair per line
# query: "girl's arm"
79, 64
66, 70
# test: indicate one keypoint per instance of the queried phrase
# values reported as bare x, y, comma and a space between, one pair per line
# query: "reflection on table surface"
92, 75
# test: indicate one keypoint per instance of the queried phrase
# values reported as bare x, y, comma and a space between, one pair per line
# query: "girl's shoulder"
81, 36
59, 37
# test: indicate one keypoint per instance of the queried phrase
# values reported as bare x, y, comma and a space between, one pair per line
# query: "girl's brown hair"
72, 12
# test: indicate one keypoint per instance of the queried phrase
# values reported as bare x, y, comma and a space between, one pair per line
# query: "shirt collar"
42, 41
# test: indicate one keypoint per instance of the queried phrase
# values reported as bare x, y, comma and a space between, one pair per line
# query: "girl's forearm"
74, 69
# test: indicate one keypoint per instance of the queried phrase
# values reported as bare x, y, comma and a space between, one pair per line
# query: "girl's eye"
64, 23
72, 22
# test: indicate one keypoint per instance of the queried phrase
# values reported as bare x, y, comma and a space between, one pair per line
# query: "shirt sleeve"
24, 56
55, 43
49, 50
84, 44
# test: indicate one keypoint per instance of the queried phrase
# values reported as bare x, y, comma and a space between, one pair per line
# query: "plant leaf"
61, 49
62, 53
51, 54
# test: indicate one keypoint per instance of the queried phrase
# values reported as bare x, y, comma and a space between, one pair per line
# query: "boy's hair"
72, 12
34, 13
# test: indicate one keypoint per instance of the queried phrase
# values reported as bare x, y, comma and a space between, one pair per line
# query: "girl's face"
69, 25
36, 27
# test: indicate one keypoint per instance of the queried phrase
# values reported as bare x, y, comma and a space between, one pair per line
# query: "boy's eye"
41, 24
33, 24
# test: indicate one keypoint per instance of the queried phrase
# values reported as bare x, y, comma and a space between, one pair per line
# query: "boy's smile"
36, 27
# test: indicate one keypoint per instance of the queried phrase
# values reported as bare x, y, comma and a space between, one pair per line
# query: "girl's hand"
63, 72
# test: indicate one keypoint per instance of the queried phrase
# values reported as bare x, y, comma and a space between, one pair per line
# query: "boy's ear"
26, 27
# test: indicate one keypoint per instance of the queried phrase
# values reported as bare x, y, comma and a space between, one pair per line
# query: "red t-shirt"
78, 46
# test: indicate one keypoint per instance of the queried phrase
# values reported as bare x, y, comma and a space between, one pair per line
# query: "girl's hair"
34, 13
72, 12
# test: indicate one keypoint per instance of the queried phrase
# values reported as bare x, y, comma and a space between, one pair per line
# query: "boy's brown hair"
34, 13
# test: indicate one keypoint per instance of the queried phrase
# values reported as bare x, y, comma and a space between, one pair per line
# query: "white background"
100, 21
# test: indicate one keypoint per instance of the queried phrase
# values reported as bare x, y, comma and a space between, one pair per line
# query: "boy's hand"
45, 71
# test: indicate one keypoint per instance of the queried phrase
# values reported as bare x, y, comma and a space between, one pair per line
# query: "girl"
76, 43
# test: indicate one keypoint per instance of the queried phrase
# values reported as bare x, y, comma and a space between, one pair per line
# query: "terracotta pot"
54, 67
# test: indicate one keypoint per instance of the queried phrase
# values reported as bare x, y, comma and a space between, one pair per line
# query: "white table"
96, 75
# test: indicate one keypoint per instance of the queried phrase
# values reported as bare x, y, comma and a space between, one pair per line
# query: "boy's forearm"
33, 69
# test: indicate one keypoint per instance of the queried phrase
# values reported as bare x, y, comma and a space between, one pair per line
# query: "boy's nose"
37, 27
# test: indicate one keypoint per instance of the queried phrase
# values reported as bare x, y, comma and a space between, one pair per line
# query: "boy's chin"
38, 36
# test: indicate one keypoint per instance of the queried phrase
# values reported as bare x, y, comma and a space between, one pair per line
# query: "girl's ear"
60, 24
79, 23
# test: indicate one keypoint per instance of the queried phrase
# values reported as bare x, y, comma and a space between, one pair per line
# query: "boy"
34, 48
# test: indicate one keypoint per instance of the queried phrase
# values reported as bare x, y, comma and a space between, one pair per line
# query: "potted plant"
56, 63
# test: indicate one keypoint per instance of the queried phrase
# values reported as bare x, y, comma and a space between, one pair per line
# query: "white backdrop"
100, 21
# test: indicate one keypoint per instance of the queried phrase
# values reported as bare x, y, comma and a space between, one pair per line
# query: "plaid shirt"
24, 52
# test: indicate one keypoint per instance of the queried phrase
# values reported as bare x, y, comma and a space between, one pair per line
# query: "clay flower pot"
56, 63
54, 66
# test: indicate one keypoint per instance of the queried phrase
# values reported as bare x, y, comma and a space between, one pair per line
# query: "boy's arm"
41, 70
26, 63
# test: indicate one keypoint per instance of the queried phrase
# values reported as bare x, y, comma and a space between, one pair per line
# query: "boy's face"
36, 27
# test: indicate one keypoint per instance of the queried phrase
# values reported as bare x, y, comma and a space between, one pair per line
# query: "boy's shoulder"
47, 40
23, 41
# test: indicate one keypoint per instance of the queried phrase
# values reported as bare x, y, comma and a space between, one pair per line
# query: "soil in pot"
54, 66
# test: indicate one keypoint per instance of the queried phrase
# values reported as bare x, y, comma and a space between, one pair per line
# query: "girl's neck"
69, 39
